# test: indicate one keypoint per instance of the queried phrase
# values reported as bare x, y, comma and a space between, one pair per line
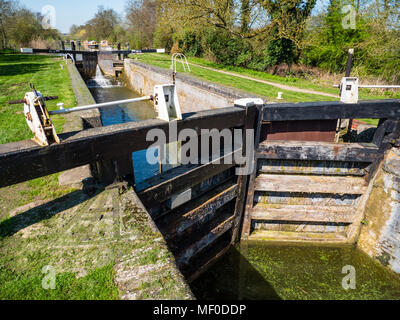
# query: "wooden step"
307, 167
306, 150
296, 213
264, 235
310, 184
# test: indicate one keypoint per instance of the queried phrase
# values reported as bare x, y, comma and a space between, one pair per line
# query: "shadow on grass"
21, 68
11, 226
18, 58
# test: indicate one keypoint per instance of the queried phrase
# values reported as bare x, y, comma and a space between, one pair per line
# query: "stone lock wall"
194, 94
380, 233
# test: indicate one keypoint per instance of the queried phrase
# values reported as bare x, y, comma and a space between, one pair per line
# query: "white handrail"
99, 105
70, 55
184, 61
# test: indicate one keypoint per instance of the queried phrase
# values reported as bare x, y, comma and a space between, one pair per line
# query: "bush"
229, 50
280, 51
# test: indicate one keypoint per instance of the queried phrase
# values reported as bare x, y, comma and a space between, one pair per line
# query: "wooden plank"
264, 235
381, 131
207, 259
371, 109
187, 178
253, 118
23, 161
310, 184
53, 51
296, 213
389, 140
320, 151
199, 211
251, 190
213, 235
310, 167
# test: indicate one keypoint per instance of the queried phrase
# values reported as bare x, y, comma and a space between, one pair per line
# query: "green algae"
272, 271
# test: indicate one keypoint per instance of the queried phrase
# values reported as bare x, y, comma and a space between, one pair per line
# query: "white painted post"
349, 90
167, 105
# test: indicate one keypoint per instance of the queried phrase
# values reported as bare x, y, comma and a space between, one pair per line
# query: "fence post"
73, 47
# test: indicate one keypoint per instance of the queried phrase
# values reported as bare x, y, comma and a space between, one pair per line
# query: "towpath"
274, 84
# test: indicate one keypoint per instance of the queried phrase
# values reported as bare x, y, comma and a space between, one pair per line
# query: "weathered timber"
253, 118
304, 150
371, 109
381, 131
199, 211
189, 252
246, 225
186, 177
24, 160
387, 137
206, 257
197, 232
311, 167
297, 213
264, 235
310, 184
160, 210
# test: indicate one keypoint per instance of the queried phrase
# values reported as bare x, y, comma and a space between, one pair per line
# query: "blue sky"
69, 12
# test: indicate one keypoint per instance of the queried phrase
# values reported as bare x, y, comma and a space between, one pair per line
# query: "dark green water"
263, 271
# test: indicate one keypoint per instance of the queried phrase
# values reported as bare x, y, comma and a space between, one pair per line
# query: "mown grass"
16, 72
268, 91
97, 285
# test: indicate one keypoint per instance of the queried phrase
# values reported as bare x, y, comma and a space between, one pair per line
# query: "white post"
166, 102
349, 90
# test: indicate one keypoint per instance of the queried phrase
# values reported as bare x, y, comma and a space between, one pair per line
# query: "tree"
25, 27
141, 19
102, 25
19, 26
6, 10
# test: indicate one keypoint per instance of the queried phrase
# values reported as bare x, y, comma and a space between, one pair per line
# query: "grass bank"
21, 278
16, 72
268, 91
